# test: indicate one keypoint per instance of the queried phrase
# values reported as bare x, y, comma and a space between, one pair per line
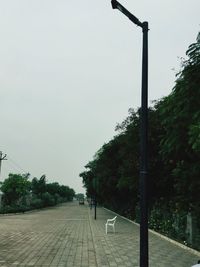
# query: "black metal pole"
95, 208
95, 200
144, 258
143, 153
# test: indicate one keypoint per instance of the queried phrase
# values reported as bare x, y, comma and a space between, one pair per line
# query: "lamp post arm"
116, 5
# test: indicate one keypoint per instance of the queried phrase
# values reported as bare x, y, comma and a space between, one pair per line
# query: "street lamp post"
95, 207
95, 200
143, 136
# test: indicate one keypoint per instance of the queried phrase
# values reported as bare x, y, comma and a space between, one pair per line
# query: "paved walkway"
68, 235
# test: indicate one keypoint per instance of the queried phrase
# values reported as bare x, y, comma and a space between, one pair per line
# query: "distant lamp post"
95, 198
95, 206
143, 136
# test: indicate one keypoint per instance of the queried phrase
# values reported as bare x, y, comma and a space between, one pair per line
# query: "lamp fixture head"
114, 4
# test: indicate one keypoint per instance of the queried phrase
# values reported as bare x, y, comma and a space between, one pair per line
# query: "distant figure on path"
196, 265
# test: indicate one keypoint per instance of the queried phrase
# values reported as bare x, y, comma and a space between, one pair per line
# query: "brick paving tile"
68, 235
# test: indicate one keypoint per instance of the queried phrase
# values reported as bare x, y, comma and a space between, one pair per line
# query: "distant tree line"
173, 157
79, 196
21, 194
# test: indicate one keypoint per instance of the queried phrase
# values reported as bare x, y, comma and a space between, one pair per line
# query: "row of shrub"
21, 194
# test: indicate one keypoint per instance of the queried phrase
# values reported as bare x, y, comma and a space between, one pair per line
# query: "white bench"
111, 222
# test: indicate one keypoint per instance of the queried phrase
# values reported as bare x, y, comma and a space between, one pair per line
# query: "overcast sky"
71, 69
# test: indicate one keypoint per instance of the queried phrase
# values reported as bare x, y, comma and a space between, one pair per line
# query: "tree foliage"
180, 119
16, 186
173, 152
20, 194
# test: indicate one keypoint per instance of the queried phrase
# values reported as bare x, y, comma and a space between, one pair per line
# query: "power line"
16, 164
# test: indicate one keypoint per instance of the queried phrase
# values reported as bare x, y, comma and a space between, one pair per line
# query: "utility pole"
2, 157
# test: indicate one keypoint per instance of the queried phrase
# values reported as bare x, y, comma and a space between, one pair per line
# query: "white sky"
70, 70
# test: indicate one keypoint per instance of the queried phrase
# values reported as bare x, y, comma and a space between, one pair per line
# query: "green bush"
14, 208
36, 203
7, 209
48, 199
167, 221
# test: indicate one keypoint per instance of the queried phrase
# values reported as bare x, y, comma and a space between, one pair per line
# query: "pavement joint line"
70, 220
92, 234
195, 252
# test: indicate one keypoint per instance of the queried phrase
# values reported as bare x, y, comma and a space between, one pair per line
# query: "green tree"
66, 192
173, 150
15, 187
79, 196
173, 157
38, 186
180, 119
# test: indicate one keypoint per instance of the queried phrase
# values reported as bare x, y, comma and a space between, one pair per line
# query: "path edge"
195, 252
